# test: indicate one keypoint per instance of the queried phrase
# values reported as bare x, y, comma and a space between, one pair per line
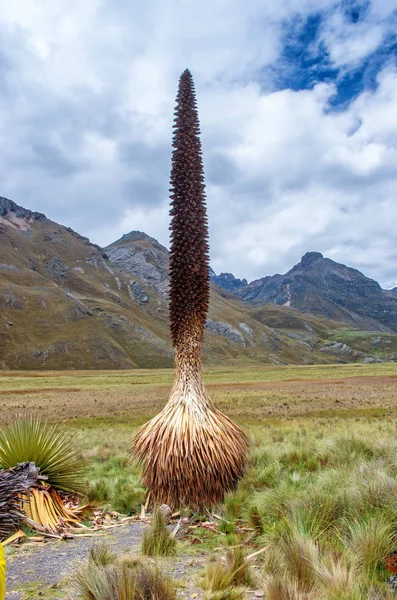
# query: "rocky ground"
35, 572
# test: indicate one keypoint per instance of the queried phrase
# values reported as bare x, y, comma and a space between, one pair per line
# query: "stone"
12, 300
137, 293
165, 511
225, 330
57, 268
247, 329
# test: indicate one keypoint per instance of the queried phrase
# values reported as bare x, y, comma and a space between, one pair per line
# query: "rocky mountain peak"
139, 238
228, 281
8, 206
138, 254
309, 258
324, 287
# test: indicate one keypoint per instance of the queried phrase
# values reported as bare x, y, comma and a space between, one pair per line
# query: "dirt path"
34, 573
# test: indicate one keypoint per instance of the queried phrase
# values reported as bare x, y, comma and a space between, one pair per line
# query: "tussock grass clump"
324, 502
235, 503
295, 555
227, 580
370, 539
157, 539
337, 579
100, 555
348, 447
276, 588
108, 578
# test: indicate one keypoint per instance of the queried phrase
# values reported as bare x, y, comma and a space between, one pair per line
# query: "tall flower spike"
191, 452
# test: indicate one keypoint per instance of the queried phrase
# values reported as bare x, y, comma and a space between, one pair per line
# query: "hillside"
66, 303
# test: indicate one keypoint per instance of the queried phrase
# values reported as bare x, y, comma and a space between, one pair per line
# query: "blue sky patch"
305, 60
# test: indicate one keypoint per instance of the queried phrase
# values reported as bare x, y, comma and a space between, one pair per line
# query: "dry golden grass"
244, 393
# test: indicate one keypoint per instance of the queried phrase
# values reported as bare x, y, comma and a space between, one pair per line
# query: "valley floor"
310, 427
248, 393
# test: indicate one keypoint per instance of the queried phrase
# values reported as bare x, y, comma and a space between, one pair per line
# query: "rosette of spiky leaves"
191, 453
49, 446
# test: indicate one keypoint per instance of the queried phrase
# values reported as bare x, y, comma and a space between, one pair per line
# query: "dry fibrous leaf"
14, 484
47, 512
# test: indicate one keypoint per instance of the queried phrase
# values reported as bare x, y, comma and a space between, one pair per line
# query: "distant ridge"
324, 287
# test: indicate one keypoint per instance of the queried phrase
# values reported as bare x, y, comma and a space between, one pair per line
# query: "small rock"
13, 300
371, 359
57, 268
137, 293
165, 511
225, 330
392, 583
247, 329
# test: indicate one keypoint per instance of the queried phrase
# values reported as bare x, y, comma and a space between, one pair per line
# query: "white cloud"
86, 112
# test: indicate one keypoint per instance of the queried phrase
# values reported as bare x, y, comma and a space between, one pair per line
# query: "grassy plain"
320, 491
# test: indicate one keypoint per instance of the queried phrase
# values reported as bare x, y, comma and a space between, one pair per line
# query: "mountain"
323, 287
62, 305
67, 303
138, 253
228, 282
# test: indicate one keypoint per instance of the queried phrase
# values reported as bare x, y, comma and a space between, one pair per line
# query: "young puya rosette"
191, 453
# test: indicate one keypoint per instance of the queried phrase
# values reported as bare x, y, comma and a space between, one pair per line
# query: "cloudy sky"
298, 109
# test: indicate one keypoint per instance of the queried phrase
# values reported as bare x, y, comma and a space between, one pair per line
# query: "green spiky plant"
52, 452
191, 453
49, 446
